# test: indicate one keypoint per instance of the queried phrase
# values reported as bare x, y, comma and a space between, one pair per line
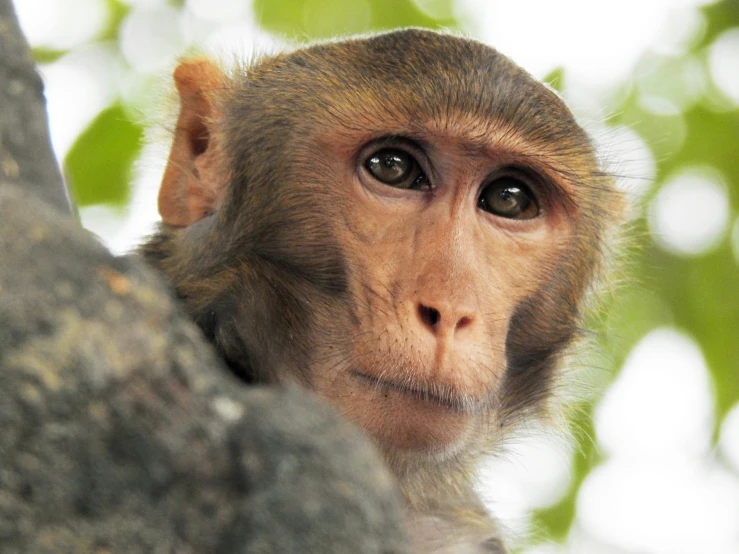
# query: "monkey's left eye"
510, 198
396, 168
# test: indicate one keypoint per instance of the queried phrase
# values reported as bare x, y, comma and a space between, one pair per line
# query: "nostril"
430, 316
463, 322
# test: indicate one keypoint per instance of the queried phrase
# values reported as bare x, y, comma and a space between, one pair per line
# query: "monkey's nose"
442, 320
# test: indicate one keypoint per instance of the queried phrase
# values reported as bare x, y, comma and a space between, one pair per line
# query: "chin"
407, 422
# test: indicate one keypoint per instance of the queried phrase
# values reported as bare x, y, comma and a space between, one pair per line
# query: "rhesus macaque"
407, 225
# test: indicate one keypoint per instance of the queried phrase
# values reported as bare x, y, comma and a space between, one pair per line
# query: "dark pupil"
390, 166
506, 200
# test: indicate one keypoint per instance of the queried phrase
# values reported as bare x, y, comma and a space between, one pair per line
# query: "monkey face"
443, 237
406, 224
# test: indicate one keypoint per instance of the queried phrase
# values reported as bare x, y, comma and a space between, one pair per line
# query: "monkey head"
406, 224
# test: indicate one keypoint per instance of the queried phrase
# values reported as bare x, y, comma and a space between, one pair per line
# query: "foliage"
98, 167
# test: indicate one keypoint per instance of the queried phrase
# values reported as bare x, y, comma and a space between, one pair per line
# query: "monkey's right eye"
396, 168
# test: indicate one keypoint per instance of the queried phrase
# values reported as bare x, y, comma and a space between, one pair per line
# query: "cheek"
411, 386
391, 266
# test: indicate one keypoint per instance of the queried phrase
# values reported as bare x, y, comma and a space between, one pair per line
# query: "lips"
432, 393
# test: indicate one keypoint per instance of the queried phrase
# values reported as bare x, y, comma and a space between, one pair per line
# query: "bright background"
653, 467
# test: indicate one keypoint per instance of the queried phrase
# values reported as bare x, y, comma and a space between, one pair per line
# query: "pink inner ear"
192, 184
200, 137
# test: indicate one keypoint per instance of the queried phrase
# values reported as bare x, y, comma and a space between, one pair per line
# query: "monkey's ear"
193, 185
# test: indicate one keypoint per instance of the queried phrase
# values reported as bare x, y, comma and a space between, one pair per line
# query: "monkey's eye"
396, 168
508, 197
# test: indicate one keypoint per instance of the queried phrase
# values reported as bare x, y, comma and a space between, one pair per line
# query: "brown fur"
299, 267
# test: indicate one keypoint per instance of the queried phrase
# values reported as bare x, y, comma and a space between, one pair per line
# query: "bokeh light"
240, 42
662, 506
598, 43
62, 24
654, 424
724, 63
729, 438
668, 366
108, 222
151, 39
543, 549
218, 10
438, 9
669, 85
690, 214
147, 3
78, 86
534, 471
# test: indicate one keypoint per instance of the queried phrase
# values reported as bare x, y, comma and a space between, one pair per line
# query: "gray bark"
26, 158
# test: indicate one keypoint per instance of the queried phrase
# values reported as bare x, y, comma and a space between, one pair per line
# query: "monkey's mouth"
444, 397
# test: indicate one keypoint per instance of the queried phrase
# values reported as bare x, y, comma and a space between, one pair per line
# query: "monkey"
408, 225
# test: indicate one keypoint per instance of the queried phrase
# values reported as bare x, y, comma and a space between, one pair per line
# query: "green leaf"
556, 79
98, 166
47, 55
117, 12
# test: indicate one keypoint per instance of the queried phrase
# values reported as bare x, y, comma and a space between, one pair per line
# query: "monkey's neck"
454, 529
428, 480
443, 512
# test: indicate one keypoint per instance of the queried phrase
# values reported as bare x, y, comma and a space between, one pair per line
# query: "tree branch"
26, 158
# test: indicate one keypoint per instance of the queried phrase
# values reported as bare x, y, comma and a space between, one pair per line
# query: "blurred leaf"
703, 294
117, 12
720, 16
712, 139
556, 79
389, 14
98, 166
309, 19
47, 55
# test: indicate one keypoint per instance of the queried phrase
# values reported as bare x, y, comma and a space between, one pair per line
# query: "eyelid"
547, 187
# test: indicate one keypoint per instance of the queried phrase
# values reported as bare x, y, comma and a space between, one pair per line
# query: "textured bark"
26, 158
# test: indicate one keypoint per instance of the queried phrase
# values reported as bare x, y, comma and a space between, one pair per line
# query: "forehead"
405, 83
418, 78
